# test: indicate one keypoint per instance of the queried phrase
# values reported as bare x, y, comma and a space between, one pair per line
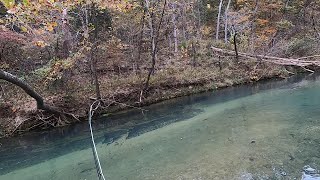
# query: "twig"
307, 57
18, 126
289, 72
44, 119
2, 92
309, 70
123, 104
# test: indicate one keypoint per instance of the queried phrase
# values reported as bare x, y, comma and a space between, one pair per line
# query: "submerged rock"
310, 173
310, 177
282, 173
246, 176
309, 170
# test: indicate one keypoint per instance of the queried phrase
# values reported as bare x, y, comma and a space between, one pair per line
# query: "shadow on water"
33, 148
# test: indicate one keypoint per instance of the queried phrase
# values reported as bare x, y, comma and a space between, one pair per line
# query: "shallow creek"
269, 130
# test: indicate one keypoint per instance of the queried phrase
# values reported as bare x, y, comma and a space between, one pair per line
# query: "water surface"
268, 130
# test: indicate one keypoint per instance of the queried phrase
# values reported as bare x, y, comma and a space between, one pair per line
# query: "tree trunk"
66, 44
194, 54
92, 18
254, 17
93, 67
154, 40
153, 44
141, 38
218, 20
175, 29
235, 45
184, 21
30, 91
199, 21
226, 23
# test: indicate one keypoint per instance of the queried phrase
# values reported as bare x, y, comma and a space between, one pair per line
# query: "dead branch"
2, 92
308, 57
41, 105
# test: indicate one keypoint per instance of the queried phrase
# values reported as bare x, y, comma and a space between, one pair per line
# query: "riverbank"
18, 112
269, 127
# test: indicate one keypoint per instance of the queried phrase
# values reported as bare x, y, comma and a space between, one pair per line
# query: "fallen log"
302, 61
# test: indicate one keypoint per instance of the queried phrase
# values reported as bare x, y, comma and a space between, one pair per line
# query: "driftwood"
302, 61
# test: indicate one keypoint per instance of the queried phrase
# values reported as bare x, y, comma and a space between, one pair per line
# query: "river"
267, 130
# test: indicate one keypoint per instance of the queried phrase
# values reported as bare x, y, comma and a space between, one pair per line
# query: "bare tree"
141, 36
226, 22
154, 35
175, 29
199, 20
184, 20
218, 20
252, 36
153, 43
90, 17
234, 32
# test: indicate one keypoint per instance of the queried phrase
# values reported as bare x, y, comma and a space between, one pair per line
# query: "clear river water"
268, 130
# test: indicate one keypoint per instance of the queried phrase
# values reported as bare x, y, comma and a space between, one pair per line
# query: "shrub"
301, 47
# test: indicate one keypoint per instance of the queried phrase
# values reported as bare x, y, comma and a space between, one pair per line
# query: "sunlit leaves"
284, 24
24, 29
26, 2
120, 5
8, 3
50, 26
40, 44
262, 22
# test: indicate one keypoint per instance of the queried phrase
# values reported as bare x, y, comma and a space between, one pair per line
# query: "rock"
246, 176
310, 177
310, 173
283, 173
309, 170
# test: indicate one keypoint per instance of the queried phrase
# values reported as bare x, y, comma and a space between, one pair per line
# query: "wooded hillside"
56, 57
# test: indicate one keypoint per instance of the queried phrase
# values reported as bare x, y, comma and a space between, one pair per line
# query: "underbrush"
75, 94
